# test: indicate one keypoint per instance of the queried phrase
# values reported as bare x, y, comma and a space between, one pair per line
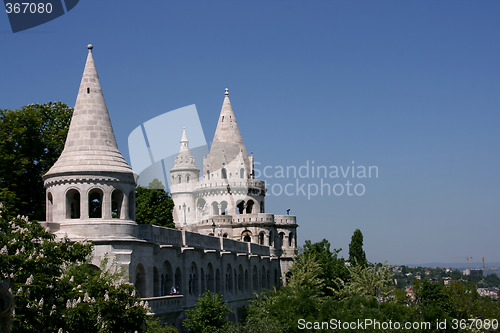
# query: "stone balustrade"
249, 218
165, 304
223, 183
188, 239
285, 219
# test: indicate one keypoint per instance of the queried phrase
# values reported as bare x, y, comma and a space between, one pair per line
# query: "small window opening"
88, 90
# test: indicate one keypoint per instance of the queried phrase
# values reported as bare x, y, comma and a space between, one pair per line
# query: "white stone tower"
91, 188
229, 201
184, 177
228, 178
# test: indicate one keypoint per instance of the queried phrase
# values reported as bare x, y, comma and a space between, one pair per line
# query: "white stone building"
228, 201
224, 241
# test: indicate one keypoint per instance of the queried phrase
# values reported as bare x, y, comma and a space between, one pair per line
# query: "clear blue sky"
412, 87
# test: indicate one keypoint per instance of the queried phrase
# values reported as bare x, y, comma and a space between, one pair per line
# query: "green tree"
154, 205
278, 310
153, 325
31, 140
357, 255
332, 267
55, 287
305, 274
370, 280
208, 315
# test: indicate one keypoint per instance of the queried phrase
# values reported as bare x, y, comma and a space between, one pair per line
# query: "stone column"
84, 205
106, 204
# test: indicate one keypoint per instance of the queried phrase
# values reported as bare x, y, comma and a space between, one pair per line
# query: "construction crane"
468, 263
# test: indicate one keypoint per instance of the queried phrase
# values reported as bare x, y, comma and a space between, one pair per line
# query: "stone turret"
228, 175
184, 177
91, 183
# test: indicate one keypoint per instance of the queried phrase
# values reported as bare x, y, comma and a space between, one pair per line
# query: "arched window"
201, 209
262, 207
255, 279
50, 206
250, 204
281, 237
246, 280
223, 173
246, 236
140, 280
156, 283
215, 208
73, 204
169, 279
229, 279
178, 280
240, 207
217, 281
95, 204
208, 174
225, 235
116, 204
261, 238
223, 208
179, 179
290, 240
263, 278
203, 281
193, 280
187, 179
210, 278
242, 173
240, 279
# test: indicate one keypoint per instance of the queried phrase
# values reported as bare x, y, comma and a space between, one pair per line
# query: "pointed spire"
184, 158
227, 128
90, 145
227, 145
184, 141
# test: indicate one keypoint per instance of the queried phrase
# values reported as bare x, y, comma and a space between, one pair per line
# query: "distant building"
476, 272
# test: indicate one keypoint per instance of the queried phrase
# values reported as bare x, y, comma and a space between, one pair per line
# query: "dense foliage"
315, 302
31, 140
55, 287
154, 205
332, 267
208, 315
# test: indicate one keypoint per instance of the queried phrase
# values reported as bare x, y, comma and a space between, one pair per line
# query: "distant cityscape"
486, 279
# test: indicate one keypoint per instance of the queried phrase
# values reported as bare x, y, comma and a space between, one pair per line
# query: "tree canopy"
31, 140
357, 255
56, 288
208, 315
154, 205
360, 292
332, 267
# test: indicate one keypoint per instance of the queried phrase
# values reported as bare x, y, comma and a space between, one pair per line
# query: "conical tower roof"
228, 143
90, 145
227, 128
